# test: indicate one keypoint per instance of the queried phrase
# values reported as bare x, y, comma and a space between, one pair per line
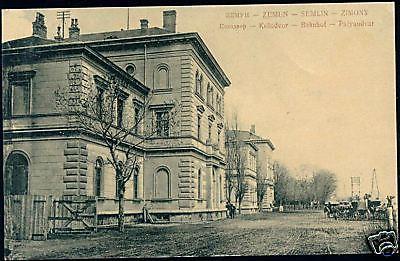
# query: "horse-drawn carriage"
356, 210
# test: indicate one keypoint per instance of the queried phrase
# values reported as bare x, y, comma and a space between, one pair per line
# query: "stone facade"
182, 175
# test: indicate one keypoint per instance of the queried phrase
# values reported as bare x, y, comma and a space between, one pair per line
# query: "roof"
27, 41
136, 36
119, 34
248, 137
72, 48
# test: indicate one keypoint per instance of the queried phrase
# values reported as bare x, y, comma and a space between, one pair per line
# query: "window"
161, 184
201, 85
198, 126
136, 183
199, 184
212, 97
198, 83
162, 123
18, 100
208, 94
219, 137
130, 69
221, 192
137, 119
98, 177
21, 98
16, 176
209, 132
100, 101
214, 184
161, 77
120, 112
219, 103
252, 162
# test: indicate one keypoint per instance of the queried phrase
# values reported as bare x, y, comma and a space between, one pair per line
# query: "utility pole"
127, 21
63, 15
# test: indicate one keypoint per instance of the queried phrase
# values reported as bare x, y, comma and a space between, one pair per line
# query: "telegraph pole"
127, 21
63, 15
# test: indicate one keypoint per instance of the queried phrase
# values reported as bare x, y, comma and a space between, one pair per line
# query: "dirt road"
259, 234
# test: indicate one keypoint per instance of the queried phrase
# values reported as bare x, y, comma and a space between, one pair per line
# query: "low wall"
107, 212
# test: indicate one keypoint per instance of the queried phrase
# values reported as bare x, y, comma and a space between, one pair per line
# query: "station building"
182, 170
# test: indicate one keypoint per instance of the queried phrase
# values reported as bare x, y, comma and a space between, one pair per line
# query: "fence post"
48, 208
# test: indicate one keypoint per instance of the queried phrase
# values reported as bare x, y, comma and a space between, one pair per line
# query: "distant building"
257, 152
182, 172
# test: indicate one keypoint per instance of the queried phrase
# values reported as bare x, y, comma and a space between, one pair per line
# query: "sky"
325, 97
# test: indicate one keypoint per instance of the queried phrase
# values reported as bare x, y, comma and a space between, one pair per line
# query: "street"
301, 232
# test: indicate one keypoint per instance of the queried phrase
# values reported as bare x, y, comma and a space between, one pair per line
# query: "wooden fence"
28, 217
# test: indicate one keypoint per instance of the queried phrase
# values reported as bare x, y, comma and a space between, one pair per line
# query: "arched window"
162, 183
161, 77
98, 178
16, 176
199, 184
136, 183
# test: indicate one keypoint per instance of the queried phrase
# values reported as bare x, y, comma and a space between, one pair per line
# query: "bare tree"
101, 112
229, 174
282, 187
236, 164
324, 183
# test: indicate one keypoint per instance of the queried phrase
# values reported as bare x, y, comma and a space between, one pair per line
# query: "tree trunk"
121, 211
240, 206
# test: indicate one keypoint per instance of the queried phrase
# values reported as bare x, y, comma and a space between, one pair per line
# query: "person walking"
233, 209
228, 209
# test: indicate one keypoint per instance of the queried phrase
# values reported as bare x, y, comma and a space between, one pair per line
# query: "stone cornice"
192, 37
66, 49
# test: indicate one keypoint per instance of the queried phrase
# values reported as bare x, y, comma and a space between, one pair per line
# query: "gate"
26, 216
74, 214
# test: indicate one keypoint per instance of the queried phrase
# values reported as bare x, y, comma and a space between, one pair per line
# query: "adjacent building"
182, 170
258, 168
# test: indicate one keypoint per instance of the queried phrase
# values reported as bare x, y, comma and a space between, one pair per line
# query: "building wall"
66, 166
46, 159
50, 74
264, 158
182, 64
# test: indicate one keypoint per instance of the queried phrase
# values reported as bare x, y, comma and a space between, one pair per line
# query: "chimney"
144, 24
253, 129
39, 28
74, 30
169, 20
